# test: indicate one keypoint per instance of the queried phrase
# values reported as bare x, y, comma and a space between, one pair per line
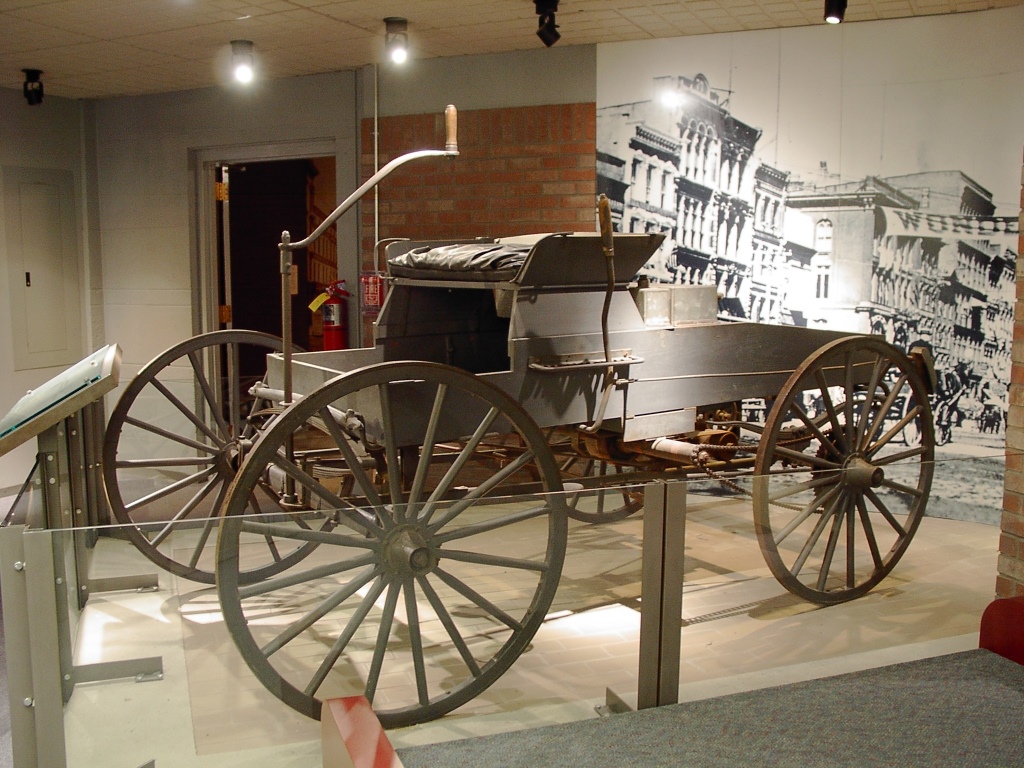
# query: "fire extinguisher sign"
372, 289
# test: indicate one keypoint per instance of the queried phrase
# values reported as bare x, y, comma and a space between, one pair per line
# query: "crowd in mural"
918, 258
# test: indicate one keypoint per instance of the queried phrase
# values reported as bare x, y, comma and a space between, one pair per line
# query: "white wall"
135, 188
563, 74
145, 186
43, 136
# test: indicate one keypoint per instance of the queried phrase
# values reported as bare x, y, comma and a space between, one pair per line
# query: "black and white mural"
864, 178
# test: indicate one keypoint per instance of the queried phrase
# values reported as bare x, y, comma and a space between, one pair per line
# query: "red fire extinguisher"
334, 302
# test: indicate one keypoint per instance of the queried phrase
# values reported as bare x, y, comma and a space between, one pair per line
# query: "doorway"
256, 201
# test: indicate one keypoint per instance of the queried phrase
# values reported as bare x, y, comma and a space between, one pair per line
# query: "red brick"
1010, 546
1014, 461
1013, 502
1012, 523
1011, 568
1007, 587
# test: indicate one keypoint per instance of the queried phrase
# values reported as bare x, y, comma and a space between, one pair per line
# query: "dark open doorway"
263, 199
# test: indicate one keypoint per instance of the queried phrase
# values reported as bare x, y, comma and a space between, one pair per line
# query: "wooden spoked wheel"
837, 495
600, 504
173, 444
440, 563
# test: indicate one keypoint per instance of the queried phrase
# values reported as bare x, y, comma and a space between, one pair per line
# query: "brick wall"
1010, 577
520, 170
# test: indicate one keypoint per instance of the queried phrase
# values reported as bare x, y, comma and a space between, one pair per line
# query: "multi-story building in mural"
951, 289
816, 252
684, 166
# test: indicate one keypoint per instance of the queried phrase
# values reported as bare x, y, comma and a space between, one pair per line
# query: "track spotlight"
241, 60
834, 11
33, 87
547, 30
396, 39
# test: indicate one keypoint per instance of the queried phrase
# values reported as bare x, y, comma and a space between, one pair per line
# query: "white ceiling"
103, 48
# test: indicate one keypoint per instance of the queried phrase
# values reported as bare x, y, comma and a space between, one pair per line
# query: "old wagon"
392, 520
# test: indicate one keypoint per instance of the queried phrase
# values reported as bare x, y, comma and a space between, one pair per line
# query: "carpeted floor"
962, 711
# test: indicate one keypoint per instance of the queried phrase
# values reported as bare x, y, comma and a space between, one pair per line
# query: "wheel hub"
860, 473
406, 551
231, 456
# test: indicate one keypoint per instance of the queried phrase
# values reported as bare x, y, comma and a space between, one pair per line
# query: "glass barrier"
208, 631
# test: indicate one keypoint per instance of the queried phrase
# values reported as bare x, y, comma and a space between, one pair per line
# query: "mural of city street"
857, 178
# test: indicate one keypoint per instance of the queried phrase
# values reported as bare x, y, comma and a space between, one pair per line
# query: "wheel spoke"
884, 510
492, 524
387, 621
812, 540
893, 458
826, 442
208, 526
479, 600
169, 489
869, 532
332, 601
851, 545
293, 515
159, 431
449, 625
343, 639
391, 450
896, 429
830, 408
234, 389
499, 561
427, 453
795, 488
211, 398
187, 413
848, 393
881, 365
185, 511
304, 534
362, 480
181, 461
805, 458
807, 511
830, 546
883, 409
460, 461
415, 641
309, 574
477, 493
333, 501
901, 488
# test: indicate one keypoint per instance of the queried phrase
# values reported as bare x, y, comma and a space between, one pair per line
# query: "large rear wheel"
439, 563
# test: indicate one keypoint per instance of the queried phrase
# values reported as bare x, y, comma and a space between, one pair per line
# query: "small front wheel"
836, 500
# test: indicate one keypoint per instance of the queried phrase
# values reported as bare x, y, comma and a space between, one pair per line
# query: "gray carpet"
965, 710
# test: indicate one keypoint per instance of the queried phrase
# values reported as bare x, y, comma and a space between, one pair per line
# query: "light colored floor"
741, 630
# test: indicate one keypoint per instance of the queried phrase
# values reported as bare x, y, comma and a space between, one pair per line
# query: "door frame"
203, 164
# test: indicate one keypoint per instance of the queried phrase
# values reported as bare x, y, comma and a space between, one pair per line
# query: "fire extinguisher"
334, 302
